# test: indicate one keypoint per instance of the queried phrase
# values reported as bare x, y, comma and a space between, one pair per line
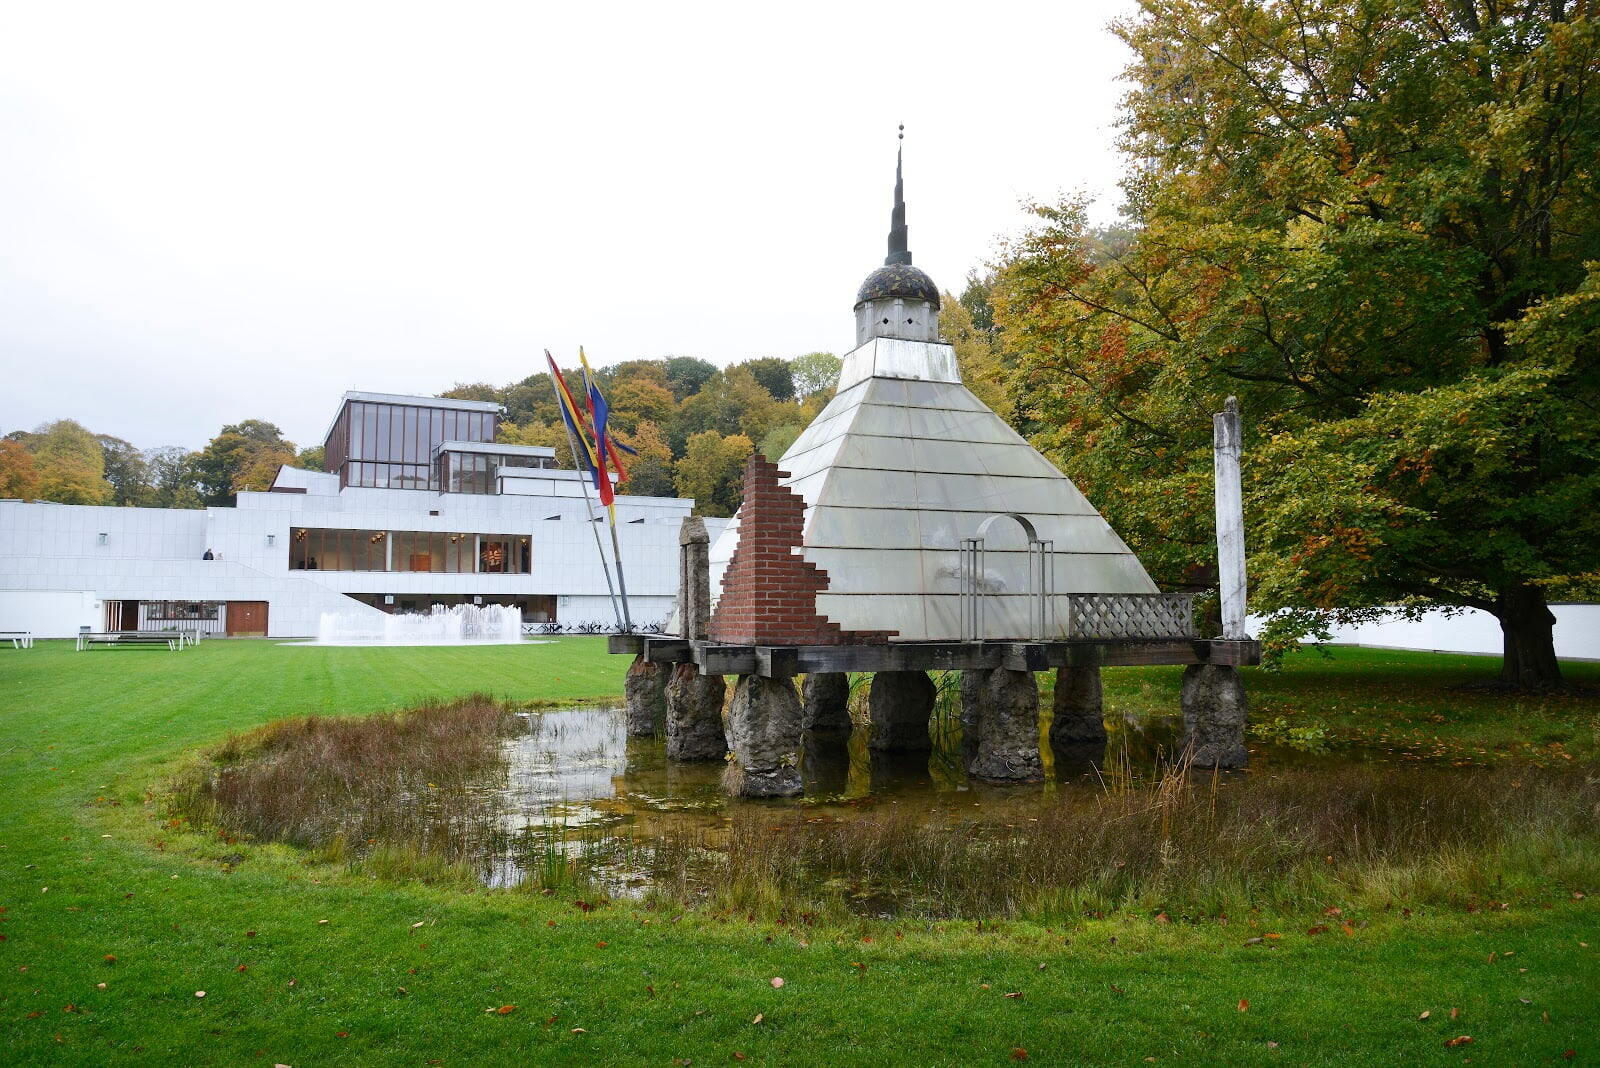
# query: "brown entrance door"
130, 616
247, 619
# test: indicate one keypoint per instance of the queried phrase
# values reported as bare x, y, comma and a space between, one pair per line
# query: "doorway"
247, 619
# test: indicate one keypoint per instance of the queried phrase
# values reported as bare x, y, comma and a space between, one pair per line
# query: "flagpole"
616, 550
602, 442
588, 506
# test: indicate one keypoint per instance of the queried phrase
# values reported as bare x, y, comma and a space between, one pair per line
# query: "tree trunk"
1528, 627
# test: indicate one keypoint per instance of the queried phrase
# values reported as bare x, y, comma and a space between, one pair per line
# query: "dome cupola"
897, 299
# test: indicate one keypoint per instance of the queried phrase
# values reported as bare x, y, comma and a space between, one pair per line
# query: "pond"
563, 801
574, 792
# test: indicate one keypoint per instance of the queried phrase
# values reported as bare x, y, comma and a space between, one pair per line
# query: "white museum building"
419, 506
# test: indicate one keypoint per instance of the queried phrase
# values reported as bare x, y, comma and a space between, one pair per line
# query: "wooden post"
1230, 519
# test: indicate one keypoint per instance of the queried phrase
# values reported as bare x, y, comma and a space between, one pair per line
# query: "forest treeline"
691, 423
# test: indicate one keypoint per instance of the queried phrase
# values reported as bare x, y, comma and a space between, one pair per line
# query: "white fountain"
460, 624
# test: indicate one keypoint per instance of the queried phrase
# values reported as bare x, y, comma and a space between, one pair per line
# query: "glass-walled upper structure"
391, 442
463, 467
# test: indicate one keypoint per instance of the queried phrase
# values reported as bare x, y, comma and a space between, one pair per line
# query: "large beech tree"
1377, 222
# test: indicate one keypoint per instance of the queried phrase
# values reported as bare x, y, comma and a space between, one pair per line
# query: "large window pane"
355, 415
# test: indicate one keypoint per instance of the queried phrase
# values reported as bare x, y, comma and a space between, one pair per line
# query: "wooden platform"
714, 658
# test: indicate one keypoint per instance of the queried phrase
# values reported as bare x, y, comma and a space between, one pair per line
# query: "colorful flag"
605, 441
598, 413
572, 415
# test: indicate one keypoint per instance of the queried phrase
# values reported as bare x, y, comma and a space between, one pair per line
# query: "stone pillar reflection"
1078, 716
825, 702
899, 704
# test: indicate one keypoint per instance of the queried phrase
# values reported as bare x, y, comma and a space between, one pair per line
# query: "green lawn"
89, 872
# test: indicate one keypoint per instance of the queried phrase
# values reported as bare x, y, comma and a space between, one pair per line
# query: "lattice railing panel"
1131, 615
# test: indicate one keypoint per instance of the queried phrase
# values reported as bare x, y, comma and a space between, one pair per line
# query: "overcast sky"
214, 212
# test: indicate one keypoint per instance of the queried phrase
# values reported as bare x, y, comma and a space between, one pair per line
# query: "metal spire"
898, 252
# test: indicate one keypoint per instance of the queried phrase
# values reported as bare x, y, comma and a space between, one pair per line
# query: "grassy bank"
84, 736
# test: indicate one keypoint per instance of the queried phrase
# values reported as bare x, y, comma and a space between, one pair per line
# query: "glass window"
333, 549
369, 442
408, 435
353, 419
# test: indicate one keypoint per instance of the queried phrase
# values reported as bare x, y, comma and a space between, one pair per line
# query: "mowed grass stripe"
73, 725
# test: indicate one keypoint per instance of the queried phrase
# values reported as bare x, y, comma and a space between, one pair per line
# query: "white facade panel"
96, 554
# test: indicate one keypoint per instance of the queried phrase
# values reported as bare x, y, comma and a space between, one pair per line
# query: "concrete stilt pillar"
764, 733
645, 691
694, 715
1006, 743
825, 702
1078, 715
899, 704
1214, 712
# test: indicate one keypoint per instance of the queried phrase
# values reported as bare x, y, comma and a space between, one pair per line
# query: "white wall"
50, 613
156, 554
1577, 632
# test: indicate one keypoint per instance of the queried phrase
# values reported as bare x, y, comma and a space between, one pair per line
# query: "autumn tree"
1379, 225
650, 472
244, 456
711, 471
19, 475
172, 477
814, 372
126, 471
71, 464
774, 374
686, 374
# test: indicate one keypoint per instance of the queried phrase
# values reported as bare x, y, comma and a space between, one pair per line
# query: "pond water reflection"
575, 796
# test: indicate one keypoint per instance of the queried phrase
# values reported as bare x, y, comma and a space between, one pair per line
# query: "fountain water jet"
460, 624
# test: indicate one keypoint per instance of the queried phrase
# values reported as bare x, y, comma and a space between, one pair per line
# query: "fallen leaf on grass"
1459, 1040
1244, 1004
579, 1031
419, 923
506, 1010
777, 982
1455, 1014
1320, 928
1015, 994
1019, 1054
1425, 1014
199, 993
737, 1055
759, 1017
